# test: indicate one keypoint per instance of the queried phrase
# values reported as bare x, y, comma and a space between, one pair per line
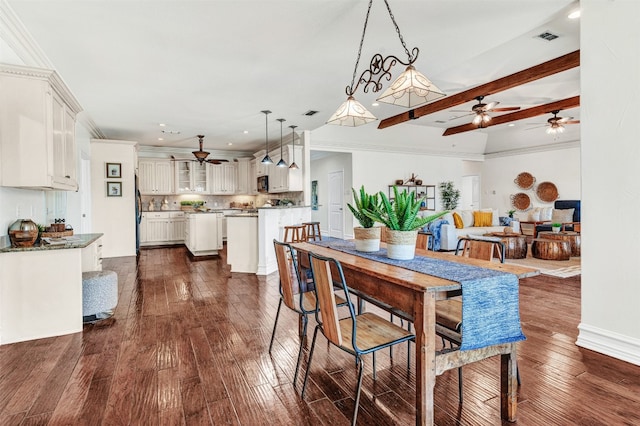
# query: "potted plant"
367, 236
510, 213
555, 227
401, 217
449, 195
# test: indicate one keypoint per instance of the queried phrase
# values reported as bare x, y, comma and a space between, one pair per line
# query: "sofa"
449, 233
540, 219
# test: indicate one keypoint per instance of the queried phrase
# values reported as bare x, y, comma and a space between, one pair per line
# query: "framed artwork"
114, 189
314, 195
113, 170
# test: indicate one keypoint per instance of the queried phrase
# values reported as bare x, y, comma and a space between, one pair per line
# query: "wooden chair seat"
372, 331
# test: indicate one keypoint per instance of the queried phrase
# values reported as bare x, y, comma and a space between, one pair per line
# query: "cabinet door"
243, 177
176, 230
146, 175
157, 230
183, 176
230, 178
164, 177
69, 146
217, 179
199, 180
143, 230
58, 136
253, 178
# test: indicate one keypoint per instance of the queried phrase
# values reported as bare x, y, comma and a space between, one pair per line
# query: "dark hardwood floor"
188, 345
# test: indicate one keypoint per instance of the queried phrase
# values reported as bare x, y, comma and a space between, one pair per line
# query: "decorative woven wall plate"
547, 192
525, 180
521, 201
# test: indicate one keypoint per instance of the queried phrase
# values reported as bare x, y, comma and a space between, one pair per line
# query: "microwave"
263, 183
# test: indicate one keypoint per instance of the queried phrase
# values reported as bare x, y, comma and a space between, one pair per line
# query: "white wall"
562, 167
610, 105
115, 217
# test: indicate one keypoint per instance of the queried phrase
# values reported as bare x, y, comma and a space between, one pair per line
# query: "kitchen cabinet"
284, 179
158, 228
244, 173
223, 178
92, 257
192, 177
37, 129
204, 233
261, 168
253, 178
155, 177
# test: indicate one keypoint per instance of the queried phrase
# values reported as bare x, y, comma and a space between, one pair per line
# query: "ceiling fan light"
477, 119
486, 118
351, 113
411, 89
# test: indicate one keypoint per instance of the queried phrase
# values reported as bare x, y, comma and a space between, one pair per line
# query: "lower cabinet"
162, 228
204, 233
92, 257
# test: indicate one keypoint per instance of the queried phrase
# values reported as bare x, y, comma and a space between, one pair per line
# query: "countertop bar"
80, 241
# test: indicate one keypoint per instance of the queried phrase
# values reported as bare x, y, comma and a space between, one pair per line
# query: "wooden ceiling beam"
545, 69
519, 115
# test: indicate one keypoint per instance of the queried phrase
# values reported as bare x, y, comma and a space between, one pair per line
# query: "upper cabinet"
156, 177
244, 173
37, 129
284, 179
192, 177
223, 178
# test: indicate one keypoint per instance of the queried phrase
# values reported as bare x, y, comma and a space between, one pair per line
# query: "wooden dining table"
415, 294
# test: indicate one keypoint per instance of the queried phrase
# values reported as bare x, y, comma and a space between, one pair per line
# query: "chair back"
477, 249
325, 296
288, 272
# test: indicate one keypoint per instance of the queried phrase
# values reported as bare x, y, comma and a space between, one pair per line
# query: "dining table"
414, 295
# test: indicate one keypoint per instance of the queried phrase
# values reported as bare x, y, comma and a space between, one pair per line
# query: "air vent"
440, 121
547, 36
171, 132
310, 113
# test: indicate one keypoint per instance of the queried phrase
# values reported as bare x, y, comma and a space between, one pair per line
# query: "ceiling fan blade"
490, 106
572, 122
564, 119
505, 109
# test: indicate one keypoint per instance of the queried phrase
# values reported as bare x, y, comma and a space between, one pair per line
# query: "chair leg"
460, 384
304, 336
357, 404
409, 347
306, 374
275, 324
374, 366
518, 376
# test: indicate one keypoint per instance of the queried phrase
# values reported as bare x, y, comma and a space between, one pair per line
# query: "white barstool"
99, 295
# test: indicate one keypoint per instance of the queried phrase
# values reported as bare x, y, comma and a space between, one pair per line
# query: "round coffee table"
515, 245
572, 237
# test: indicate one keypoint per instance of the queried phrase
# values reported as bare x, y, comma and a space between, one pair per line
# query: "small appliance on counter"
152, 205
165, 204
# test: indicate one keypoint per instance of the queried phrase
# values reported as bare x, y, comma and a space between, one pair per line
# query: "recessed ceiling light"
375, 104
510, 125
574, 15
245, 132
160, 139
162, 124
230, 143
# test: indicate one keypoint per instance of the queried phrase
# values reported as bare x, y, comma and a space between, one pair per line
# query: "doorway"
470, 193
336, 202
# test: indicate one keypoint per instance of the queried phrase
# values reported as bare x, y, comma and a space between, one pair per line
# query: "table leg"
425, 328
509, 385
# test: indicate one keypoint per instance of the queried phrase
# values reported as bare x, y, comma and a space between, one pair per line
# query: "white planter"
401, 245
556, 229
367, 239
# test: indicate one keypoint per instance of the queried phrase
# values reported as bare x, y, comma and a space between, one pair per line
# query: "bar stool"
313, 231
295, 233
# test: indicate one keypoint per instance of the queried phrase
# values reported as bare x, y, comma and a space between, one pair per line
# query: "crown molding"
86, 121
15, 34
534, 149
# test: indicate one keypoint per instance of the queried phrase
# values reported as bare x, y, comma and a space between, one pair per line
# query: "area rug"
556, 268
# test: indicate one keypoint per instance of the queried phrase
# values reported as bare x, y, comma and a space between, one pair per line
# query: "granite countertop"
243, 215
282, 207
72, 242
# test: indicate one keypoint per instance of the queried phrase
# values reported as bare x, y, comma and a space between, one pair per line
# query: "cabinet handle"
68, 177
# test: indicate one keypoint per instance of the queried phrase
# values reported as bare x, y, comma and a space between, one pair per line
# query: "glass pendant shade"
351, 113
411, 89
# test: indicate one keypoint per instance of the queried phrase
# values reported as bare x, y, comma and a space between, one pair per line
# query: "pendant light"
293, 165
266, 159
281, 163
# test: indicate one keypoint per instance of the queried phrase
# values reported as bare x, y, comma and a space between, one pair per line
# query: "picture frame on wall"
114, 189
114, 170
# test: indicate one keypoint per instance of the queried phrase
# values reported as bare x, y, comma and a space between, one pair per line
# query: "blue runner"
490, 311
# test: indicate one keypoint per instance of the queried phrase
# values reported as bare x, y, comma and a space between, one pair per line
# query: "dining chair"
357, 334
296, 294
480, 248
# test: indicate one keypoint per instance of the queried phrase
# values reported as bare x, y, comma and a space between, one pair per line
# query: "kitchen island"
242, 242
203, 233
41, 287
271, 223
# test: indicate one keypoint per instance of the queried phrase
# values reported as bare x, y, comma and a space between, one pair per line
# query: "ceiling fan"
556, 124
201, 155
481, 111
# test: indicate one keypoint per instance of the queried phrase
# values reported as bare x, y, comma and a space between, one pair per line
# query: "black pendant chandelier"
281, 163
266, 159
293, 145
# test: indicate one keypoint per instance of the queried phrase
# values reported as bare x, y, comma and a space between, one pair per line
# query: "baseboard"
609, 343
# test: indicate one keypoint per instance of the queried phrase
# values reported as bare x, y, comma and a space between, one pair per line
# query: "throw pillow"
546, 213
562, 216
534, 215
467, 218
495, 218
448, 217
457, 220
482, 218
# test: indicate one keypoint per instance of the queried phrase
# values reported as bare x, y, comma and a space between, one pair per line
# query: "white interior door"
470, 193
85, 196
336, 204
